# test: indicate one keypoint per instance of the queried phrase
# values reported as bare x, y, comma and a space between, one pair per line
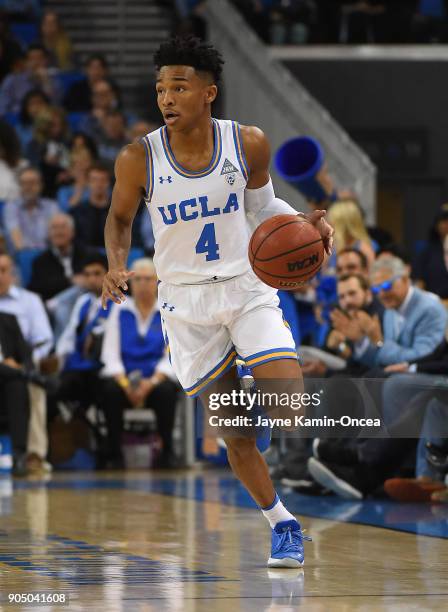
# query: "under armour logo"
162, 179
165, 306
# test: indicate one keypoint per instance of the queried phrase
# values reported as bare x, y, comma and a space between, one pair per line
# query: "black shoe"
338, 451
345, 481
19, 466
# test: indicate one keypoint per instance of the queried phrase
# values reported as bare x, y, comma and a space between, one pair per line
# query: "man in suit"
414, 321
14, 355
60, 266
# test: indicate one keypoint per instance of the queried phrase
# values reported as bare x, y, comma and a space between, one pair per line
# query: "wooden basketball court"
192, 541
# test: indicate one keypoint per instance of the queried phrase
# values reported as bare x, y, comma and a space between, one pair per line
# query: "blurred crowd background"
375, 310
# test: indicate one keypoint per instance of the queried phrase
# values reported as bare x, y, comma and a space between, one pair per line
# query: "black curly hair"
190, 51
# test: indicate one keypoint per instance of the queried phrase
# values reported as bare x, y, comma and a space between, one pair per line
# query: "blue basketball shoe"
247, 383
287, 545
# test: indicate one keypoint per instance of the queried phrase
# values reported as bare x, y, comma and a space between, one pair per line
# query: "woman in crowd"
34, 103
349, 229
56, 41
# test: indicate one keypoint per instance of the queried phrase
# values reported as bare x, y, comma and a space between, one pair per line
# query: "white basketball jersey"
198, 218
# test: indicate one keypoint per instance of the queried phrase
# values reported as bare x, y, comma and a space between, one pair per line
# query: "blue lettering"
205, 211
172, 211
183, 205
232, 202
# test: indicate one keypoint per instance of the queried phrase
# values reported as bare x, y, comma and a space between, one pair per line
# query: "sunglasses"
385, 286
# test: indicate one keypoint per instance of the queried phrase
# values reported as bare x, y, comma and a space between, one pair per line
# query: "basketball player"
202, 179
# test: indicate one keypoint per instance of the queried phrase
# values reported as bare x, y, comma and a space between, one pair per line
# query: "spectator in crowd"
26, 219
82, 141
136, 363
33, 104
35, 327
349, 228
351, 261
69, 196
48, 149
414, 320
354, 296
60, 266
104, 100
31, 73
56, 41
9, 161
114, 136
90, 216
80, 94
10, 50
14, 355
140, 129
79, 347
431, 268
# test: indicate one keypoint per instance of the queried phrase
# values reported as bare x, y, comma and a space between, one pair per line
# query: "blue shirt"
32, 318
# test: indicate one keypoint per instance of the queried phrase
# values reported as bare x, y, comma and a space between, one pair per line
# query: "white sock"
277, 513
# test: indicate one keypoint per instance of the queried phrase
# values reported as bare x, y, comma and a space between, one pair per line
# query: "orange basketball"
285, 251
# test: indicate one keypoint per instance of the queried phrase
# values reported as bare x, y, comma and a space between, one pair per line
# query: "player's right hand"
113, 284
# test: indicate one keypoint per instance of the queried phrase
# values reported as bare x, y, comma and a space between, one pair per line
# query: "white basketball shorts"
207, 326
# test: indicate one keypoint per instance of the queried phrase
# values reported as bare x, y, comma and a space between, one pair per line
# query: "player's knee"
240, 448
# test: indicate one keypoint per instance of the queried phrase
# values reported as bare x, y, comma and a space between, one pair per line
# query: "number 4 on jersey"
207, 243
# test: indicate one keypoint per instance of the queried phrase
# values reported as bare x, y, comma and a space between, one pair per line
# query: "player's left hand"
317, 218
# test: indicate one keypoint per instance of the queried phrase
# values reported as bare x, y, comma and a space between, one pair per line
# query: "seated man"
351, 261
14, 354
136, 364
35, 327
414, 320
26, 220
60, 266
78, 347
354, 296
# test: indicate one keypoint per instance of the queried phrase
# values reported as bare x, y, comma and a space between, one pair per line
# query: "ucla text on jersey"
198, 217
187, 210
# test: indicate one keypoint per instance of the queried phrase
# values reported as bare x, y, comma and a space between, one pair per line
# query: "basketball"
285, 251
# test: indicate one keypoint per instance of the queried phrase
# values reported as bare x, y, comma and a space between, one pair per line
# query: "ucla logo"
168, 178
230, 178
195, 208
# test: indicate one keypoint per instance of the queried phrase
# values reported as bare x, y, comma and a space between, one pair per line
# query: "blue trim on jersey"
217, 150
149, 168
240, 149
215, 373
271, 355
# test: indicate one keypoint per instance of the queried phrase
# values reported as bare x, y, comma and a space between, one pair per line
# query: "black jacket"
12, 343
47, 276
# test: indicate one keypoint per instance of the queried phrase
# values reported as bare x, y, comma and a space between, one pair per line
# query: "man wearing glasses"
414, 321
